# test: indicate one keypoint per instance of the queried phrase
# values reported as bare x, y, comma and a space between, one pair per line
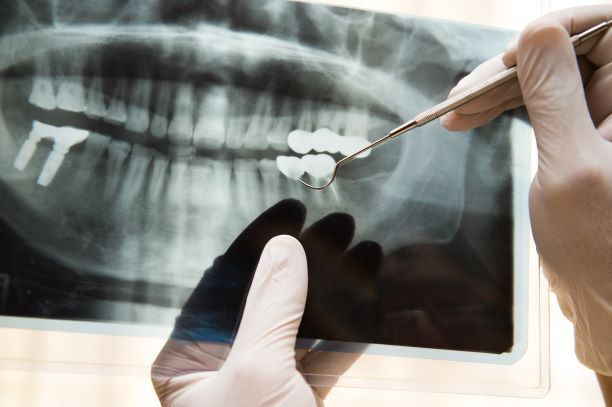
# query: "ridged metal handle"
464, 97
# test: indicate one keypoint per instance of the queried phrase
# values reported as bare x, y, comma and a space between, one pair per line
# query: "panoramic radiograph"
139, 138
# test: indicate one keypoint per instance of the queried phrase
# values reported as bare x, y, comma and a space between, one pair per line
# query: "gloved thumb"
553, 94
275, 303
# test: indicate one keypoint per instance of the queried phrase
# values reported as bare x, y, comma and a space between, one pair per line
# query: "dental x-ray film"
138, 139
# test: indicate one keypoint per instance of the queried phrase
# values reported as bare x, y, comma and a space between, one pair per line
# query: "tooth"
318, 166
210, 129
138, 111
43, 94
277, 138
270, 179
95, 99
247, 187
71, 94
305, 119
237, 122
117, 152
64, 139
300, 141
291, 167
350, 145
260, 124
325, 140
93, 149
135, 175
159, 122
357, 123
180, 129
116, 113
38, 132
158, 175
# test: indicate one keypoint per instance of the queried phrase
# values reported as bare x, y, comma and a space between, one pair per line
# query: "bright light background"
571, 383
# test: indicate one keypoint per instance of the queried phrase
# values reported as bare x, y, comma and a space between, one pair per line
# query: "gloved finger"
598, 93
275, 303
554, 96
495, 96
461, 122
605, 128
211, 312
576, 20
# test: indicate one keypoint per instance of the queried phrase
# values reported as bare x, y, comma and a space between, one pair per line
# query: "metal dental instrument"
455, 102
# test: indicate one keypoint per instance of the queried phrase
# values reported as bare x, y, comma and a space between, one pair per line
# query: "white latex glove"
569, 101
260, 369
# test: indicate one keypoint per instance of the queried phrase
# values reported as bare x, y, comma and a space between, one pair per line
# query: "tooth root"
210, 129
71, 94
117, 152
290, 167
180, 129
159, 121
357, 123
158, 176
94, 148
305, 119
332, 117
260, 124
42, 94
248, 194
277, 138
271, 180
95, 99
178, 183
116, 113
138, 111
135, 175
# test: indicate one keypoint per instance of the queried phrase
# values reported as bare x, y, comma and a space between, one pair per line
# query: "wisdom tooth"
180, 130
64, 139
291, 167
159, 122
116, 108
138, 111
95, 99
210, 129
71, 94
319, 166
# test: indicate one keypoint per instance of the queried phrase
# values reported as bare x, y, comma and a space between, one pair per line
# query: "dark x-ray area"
140, 139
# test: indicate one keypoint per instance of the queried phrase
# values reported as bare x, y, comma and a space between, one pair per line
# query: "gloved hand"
569, 101
198, 364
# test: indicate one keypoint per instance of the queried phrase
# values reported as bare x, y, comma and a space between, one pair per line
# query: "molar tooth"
325, 140
38, 132
135, 176
291, 167
210, 129
118, 150
305, 119
138, 111
300, 141
71, 94
95, 99
277, 138
260, 124
332, 117
318, 166
63, 139
180, 130
116, 107
159, 122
